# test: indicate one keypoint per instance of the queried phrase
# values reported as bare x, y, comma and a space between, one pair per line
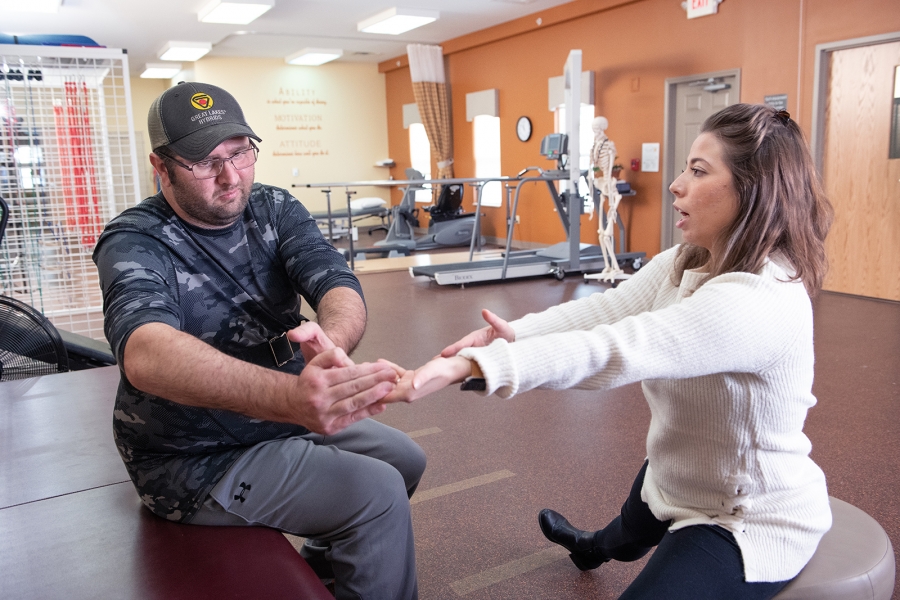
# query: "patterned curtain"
426, 67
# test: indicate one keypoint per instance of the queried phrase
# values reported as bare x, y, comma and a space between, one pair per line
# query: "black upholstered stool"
854, 560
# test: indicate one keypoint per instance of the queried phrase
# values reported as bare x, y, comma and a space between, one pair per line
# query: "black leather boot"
579, 543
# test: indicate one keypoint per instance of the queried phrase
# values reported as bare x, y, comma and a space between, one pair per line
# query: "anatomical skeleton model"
603, 155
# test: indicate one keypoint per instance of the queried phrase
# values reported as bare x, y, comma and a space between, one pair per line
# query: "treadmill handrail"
547, 176
395, 182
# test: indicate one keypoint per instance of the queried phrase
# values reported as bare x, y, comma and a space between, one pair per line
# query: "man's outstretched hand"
332, 392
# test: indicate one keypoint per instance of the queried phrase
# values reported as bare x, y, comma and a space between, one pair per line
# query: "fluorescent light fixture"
161, 70
313, 57
234, 13
397, 20
186, 51
36, 6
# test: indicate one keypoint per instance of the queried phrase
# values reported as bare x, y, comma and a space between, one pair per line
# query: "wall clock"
523, 129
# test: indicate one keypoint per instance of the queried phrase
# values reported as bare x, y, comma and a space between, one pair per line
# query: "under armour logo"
245, 487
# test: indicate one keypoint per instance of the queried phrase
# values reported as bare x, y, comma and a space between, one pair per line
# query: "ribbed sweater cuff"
495, 361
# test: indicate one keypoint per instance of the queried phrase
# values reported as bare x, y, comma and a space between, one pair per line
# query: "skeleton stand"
603, 154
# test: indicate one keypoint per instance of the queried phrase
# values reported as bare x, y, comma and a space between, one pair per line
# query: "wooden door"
861, 181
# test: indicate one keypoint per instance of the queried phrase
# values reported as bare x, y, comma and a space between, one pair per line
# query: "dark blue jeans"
695, 563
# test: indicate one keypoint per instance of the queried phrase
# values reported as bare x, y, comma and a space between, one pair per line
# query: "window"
29, 177
420, 158
585, 141
487, 157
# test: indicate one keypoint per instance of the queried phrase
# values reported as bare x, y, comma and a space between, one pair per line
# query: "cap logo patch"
201, 101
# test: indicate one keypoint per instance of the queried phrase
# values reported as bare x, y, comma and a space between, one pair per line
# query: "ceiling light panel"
313, 56
395, 21
186, 51
234, 13
161, 70
36, 6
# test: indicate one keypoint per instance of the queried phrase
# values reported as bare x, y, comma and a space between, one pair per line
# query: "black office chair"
449, 204
4, 216
85, 352
29, 344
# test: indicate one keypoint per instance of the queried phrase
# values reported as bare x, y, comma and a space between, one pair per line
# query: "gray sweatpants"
351, 489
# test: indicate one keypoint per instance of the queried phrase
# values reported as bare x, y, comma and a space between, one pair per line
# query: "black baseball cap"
193, 118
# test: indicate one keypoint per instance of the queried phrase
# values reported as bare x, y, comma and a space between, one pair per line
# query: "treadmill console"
554, 146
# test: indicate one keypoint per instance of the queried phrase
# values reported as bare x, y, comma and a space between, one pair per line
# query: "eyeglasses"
207, 169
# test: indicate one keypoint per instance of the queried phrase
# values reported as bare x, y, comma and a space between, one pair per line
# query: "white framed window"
487, 157
420, 158
585, 140
29, 177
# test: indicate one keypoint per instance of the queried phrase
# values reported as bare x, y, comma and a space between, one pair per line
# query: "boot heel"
586, 563
579, 543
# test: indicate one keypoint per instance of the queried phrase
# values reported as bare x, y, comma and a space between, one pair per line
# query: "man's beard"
212, 214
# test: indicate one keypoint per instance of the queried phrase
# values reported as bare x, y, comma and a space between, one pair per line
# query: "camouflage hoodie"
232, 288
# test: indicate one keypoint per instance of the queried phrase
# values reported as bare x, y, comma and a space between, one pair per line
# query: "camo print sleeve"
233, 289
313, 265
136, 274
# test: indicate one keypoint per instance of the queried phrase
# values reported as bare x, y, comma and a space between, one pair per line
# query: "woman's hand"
430, 377
497, 329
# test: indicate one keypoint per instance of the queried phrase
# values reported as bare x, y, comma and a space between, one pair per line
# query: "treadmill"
565, 257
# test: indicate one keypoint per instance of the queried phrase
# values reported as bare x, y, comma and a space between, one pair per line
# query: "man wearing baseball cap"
232, 408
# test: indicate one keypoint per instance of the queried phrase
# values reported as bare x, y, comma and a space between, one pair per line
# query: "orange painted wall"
827, 21
632, 47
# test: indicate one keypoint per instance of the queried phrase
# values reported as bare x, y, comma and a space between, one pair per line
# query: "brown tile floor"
577, 451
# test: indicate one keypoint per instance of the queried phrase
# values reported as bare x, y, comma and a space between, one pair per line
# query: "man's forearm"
329, 394
342, 316
168, 363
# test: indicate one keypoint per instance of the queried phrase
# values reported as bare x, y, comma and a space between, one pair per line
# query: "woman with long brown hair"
719, 332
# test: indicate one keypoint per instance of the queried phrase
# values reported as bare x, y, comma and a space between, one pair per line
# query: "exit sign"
701, 8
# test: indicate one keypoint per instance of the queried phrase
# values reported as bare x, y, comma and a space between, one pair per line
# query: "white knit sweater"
727, 369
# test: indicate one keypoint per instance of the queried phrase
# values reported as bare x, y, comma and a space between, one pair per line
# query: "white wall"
328, 122
143, 92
